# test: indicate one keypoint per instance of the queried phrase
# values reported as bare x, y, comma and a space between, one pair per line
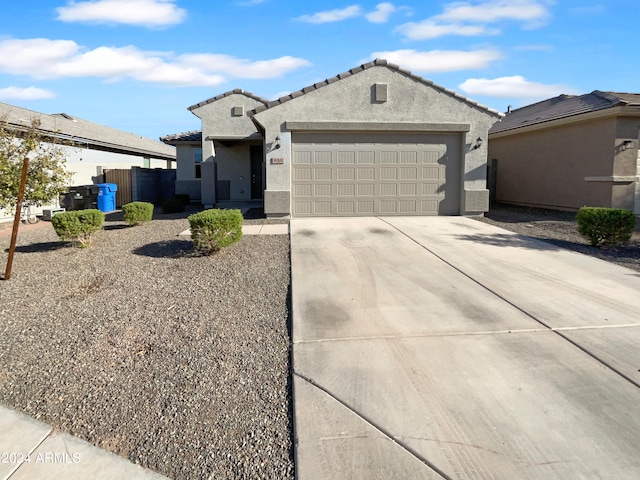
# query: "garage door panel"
302, 174
323, 190
322, 173
388, 189
346, 157
375, 174
302, 190
366, 173
366, 190
322, 207
366, 157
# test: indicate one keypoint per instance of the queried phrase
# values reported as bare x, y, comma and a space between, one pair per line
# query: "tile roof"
563, 106
226, 94
193, 136
354, 71
83, 132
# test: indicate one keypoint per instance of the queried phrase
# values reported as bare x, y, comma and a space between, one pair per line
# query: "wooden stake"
16, 219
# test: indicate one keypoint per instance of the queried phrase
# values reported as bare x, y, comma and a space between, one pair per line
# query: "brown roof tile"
193, 136
563, 106
226, 94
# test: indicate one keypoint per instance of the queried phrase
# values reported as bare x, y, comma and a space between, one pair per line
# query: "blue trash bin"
107, 197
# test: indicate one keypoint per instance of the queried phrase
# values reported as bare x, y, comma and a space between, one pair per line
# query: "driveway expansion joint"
377, 427
520, 309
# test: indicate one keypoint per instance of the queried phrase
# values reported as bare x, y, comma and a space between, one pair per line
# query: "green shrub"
136, 213
78, 226
173, 205
214, 229
605, 226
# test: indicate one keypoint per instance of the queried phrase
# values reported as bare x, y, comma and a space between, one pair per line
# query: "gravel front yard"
175, 361
560, 229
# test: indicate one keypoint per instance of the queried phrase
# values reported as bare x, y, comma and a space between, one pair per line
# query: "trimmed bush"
136, 213
605, 226
78, 226
173, 205
212, 230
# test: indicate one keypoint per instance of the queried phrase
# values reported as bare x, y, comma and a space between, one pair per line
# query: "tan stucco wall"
352, 100
218, 120
548, 167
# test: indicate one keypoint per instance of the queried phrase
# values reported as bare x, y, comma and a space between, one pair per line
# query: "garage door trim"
393, 173
377, 127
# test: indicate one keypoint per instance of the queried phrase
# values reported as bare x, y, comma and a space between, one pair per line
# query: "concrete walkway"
266, 229
445, 348
33, 450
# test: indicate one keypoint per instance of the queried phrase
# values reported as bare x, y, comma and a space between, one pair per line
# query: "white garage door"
364, 174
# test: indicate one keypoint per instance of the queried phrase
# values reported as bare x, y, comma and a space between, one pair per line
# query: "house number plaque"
277, 161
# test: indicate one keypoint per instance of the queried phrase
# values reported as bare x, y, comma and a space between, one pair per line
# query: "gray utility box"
48, 213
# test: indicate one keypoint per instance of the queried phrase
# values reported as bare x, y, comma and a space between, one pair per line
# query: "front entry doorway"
256, 172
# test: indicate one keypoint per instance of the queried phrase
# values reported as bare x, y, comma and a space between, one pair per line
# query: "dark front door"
256, 172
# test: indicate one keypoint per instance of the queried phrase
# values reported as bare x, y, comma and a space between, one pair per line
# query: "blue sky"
136, 65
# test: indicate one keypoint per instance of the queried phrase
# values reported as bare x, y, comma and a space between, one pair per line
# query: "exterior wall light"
478, 143
627, 144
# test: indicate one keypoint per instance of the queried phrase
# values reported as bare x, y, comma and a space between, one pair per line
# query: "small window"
197, 161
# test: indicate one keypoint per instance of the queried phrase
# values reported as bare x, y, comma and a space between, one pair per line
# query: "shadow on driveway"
510, 240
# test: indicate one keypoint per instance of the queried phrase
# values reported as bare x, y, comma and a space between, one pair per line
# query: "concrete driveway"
442, 347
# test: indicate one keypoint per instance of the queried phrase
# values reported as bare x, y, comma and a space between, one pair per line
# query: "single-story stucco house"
568, 152
90, 148
376, 140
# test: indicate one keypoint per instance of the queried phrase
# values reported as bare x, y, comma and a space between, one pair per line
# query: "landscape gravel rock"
560, 228
139, 345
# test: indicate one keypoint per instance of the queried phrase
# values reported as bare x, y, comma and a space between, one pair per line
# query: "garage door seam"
377, 427
530, 315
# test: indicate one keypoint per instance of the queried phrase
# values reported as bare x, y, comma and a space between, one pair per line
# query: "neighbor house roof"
184, 137
354, 71
85, 133
237, 91
563, 106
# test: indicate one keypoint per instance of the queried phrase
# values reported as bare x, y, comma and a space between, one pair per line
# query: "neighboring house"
376, 140
92, 148
568, 152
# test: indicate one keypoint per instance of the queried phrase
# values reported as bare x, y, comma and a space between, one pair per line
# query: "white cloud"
243, 68
428, 29
529, 11
336, 15
43, 58
381, 13
440, 60
29, 93
148, 13
467, 19
512, 87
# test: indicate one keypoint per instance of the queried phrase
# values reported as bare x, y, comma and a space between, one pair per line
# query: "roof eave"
378, 62
617, 111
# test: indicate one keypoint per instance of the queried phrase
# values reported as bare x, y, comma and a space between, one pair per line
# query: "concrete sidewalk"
433, 347
33, 450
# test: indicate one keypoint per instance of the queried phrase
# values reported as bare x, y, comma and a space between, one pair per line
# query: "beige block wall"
547, 168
